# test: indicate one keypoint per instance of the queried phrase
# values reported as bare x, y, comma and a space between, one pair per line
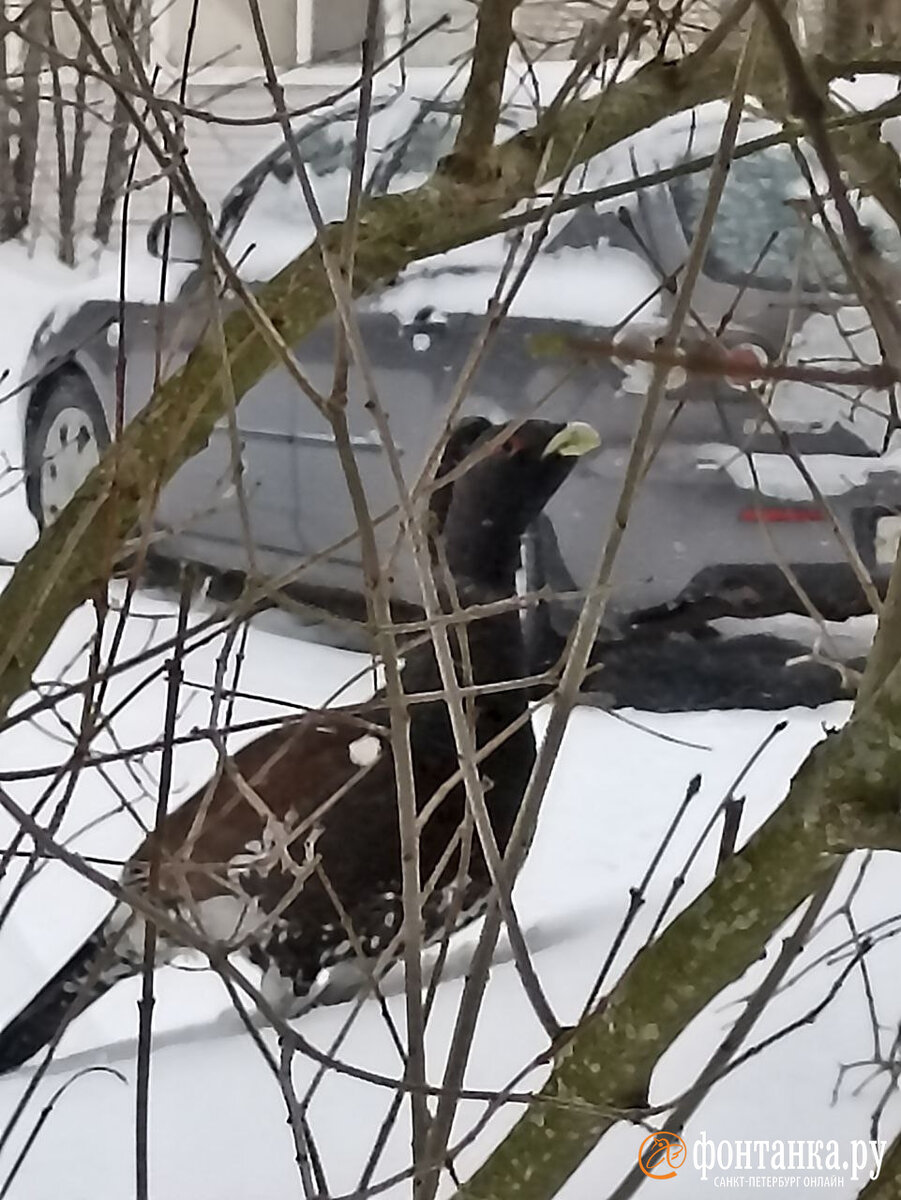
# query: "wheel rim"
70, 452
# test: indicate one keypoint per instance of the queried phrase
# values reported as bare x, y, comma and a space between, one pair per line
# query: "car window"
418, 148
328, 147
585, 229
758, 236
421, 144
271, 186
264, 219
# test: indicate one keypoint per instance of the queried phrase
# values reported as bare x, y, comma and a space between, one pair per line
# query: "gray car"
722, 501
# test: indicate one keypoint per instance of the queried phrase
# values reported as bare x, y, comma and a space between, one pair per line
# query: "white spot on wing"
365, 750
227, 918
128, 930
276, 989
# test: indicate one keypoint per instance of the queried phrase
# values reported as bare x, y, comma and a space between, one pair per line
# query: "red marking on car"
785, 515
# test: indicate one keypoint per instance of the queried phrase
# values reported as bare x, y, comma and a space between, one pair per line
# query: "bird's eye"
513, 445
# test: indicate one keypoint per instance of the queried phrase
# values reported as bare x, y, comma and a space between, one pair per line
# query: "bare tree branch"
471, 158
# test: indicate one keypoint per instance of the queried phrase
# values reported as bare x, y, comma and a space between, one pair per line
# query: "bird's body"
233, 872
292, 853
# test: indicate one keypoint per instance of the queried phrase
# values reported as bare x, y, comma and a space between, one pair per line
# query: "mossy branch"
473, 147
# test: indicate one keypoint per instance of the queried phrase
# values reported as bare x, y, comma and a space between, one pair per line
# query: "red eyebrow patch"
513, 444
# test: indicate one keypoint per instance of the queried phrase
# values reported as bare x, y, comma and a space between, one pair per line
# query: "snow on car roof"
264, 218
564, 286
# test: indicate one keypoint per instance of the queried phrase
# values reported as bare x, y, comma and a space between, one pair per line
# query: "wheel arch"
45, 387
48, 380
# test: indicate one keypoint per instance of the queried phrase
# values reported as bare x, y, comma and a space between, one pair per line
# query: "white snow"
841, 640
841, 341
868, 91
777, 476
44, 286
569, 285
613, 794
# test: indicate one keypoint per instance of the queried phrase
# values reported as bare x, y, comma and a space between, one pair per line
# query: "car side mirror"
175, 236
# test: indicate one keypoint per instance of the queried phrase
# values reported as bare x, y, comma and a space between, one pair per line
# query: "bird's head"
503, 476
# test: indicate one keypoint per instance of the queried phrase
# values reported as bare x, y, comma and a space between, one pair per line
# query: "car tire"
65, 437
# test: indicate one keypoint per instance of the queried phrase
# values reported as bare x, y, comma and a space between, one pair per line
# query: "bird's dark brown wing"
274, 795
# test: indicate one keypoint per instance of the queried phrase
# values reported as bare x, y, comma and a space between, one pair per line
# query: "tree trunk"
28, 107
853, 28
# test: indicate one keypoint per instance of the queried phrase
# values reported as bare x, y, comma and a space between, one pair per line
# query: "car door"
253, 516
232, 506
409, 373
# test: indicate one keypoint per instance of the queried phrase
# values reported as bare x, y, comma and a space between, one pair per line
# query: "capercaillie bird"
291, 855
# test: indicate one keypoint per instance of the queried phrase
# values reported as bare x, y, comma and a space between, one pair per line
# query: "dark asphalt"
679, 672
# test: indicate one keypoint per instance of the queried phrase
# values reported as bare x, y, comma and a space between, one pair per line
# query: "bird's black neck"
486, 650
490, 646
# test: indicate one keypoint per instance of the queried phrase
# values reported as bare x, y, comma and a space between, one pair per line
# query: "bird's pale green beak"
574, 440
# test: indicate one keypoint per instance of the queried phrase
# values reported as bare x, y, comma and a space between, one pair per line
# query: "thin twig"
637, 894
146, 1002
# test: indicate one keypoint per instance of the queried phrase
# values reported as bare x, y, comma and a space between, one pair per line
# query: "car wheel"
66, 435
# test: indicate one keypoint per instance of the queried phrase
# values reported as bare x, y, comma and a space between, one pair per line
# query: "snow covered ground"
218, 1129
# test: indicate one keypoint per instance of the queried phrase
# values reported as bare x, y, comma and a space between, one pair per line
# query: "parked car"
721, 497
